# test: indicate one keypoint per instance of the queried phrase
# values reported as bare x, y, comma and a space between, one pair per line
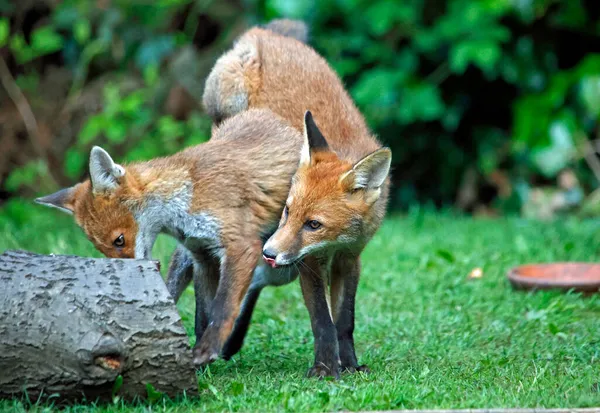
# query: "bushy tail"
290, 28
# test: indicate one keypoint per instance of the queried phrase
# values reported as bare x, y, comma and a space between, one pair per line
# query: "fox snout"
274, 257
270, 256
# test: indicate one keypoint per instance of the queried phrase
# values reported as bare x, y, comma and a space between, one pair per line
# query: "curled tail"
290, 28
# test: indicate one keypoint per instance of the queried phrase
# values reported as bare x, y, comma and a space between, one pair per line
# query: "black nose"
269, 253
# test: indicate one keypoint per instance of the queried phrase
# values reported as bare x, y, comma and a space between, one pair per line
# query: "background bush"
488, 105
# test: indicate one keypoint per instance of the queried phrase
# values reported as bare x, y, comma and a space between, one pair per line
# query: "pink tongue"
270, 261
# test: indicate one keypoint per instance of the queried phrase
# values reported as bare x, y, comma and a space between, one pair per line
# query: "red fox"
220, 199
339, 193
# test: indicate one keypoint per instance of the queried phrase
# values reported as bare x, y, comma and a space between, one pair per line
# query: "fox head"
329, 202
98, 208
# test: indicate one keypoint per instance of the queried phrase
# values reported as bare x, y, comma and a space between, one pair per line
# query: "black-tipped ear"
62, 200
316, 140
313, 138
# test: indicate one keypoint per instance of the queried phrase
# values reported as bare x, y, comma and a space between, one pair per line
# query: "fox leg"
206, 279
236, 339
313, 280
237, 267
263, 276
181, 272
345, 273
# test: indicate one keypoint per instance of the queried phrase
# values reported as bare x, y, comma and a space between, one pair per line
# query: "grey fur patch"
265, 276
171, 216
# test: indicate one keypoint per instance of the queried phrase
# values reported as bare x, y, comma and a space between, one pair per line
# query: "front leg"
313, 280
235, 341
263, 276
345, 273
237, 267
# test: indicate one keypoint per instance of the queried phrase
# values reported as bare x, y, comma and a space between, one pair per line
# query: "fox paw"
204, 355
321, 371
353, 369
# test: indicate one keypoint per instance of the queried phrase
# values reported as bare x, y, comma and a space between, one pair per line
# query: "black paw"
322, 371
204, 354
231, 349
353, 369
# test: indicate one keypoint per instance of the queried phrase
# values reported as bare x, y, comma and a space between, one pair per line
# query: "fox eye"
286, 210
119, 242
312, 225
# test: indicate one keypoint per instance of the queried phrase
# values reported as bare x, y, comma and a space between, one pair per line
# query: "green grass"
433, 338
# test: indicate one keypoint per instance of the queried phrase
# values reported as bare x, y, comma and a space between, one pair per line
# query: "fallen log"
70, 326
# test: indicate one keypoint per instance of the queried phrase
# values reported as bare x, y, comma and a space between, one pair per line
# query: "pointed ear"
313, 139
370, 172
104, 172
62, 200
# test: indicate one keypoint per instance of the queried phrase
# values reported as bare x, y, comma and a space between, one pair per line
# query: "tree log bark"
71, 325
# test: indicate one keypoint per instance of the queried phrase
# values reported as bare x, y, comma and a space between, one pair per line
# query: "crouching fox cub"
219, 199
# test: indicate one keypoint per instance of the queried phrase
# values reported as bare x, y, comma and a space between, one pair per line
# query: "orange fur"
339, 193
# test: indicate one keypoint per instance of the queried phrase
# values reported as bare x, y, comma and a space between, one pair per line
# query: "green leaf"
45, 40
553, 329
151, 74
117, 386
420, 102
23, 53
75, 163
132, 103
590, 94
82, 31
4, 31
324, 397
237, 388
153, 394
483, 54
116, 131
94, 126
383, 15
446, 255
26, 176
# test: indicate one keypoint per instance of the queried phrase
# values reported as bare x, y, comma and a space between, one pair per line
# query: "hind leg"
181, 272
206, 281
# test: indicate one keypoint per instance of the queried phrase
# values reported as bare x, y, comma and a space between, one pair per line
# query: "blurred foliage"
481, 101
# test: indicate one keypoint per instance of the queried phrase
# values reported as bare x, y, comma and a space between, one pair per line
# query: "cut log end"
70, 326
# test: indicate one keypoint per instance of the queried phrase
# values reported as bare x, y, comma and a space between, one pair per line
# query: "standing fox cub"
219, 199
339, 193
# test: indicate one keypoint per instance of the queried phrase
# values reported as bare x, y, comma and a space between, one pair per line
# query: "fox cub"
219, 199
339, 193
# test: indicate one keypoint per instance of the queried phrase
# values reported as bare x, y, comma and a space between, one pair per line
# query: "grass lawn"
433, 338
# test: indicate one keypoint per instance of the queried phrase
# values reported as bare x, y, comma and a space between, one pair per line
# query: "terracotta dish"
578, 276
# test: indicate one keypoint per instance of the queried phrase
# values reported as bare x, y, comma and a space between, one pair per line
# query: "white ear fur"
104, 172
370, 172
305, 151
